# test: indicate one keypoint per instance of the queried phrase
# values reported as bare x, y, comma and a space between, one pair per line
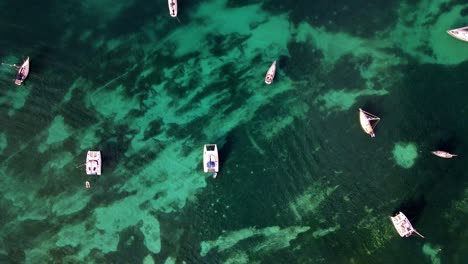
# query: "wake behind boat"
172, 8
403, 225
270, 73
443, 154
93, 163
365, 119
210, 159
459, 33
22, 72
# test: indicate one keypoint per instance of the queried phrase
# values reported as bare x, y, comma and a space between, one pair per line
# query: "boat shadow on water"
412, 208
225, 150
373, 107
448, 144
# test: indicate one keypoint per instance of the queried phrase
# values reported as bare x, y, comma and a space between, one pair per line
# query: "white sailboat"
172, 7
93, 163
403, 225
443, 154
459, 33
365, 119
23, 72
210, 159
270, 75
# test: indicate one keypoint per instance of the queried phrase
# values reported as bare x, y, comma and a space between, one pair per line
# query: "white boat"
210, 159
403, 225
459, 33
443, 154
23, 72
93, 163
172, 7
365, 118
270, 73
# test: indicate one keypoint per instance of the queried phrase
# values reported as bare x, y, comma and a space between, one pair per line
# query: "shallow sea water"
299, 181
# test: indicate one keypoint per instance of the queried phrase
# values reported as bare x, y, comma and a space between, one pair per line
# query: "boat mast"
418, 233
372, 117
375, 124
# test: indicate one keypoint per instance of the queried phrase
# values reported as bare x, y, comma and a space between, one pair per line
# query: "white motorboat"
443, 154
93, 163
459, 33
23, 72
172, 8
403, 225
270, 73
211, 159
365, 119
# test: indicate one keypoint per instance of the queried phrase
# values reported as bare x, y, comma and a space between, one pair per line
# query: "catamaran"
23, 72
403, 225
270, 73
93, 163
172, 7
365, 118
210, 159
459, 33
443, 154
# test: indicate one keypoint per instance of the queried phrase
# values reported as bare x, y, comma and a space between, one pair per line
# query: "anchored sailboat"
270, 73
443, 154
93, 163
210, 159
459, 33
403, 225
172, 7
365, 118
22, 72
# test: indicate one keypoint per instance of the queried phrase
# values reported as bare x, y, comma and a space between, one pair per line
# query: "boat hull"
365, 123
210, 158
459, 33
93, 163
443, 154
270, 73
172, 7
23, 72
402, 225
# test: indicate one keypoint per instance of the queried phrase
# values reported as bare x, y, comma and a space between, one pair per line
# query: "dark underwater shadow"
412, 208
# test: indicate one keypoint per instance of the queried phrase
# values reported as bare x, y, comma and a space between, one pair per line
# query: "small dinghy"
403, 225
459, 33
93, 163
22, 72
270, 73
365, 118
210, 159
172, 7
443, 154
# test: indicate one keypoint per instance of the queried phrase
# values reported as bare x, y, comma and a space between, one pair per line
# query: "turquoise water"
299, 181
